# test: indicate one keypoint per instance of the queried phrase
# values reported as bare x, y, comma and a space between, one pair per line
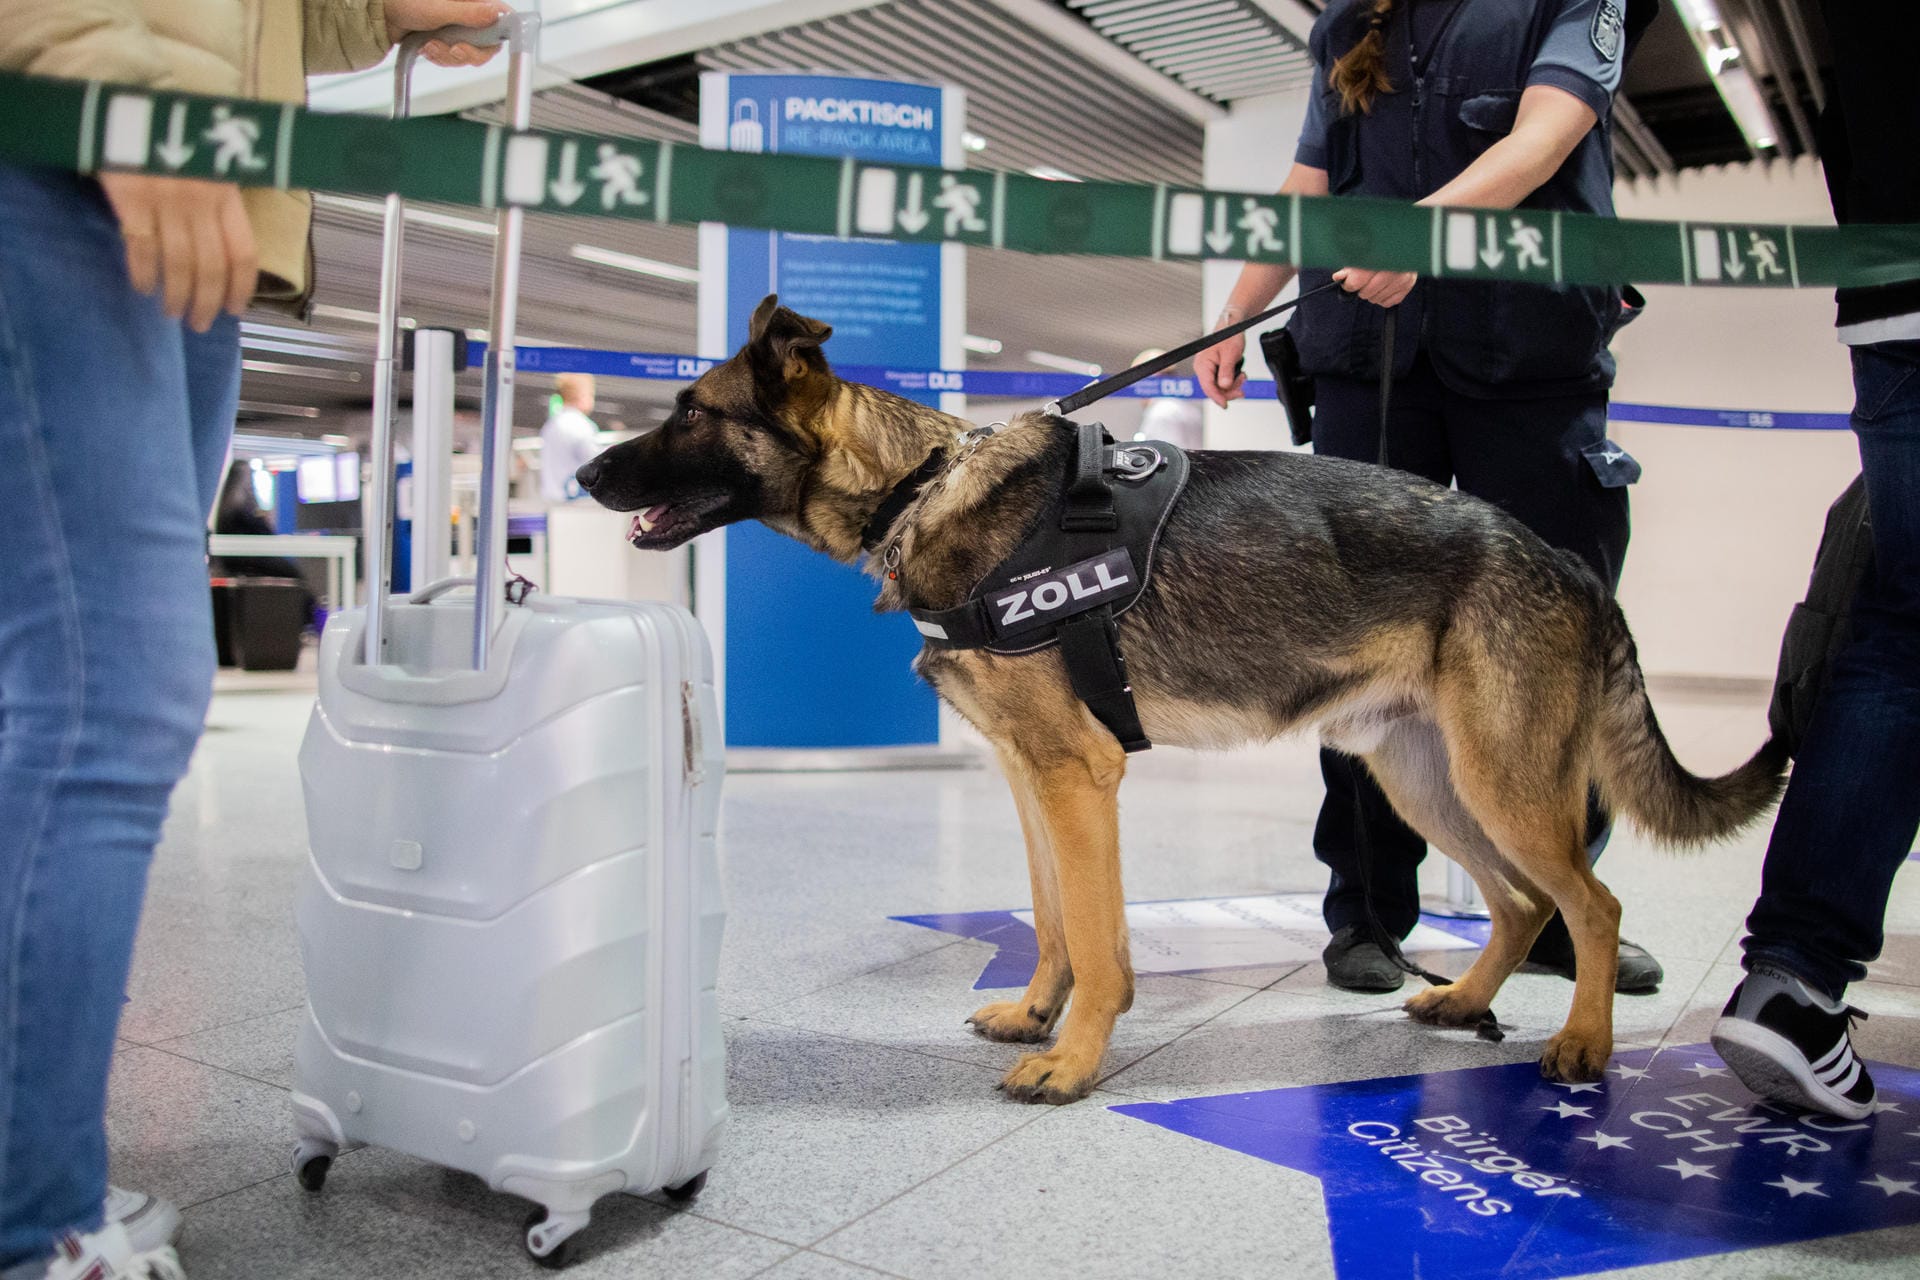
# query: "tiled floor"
867, 1136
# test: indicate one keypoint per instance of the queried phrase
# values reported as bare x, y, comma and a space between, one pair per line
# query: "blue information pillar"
807, 662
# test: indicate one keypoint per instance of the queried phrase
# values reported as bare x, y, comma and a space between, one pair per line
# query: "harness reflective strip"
458, 162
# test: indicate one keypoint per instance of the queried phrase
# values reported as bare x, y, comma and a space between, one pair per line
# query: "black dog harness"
1086, 562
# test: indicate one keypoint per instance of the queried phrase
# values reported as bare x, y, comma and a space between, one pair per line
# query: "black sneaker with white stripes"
1788, 1043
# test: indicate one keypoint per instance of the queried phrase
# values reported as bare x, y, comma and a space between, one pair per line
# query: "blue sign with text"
1493, 1171
882, 298
808, 664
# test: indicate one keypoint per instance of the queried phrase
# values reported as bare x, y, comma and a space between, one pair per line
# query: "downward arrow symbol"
1491, 253
914, 216
174, 151
1220, 239
567, 188
1736, 265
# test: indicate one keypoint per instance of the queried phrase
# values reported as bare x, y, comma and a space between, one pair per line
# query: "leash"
1127, 377
1488, 1027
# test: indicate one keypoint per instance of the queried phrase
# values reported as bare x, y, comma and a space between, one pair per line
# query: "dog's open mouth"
666, 525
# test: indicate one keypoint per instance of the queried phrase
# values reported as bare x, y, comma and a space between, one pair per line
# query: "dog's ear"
783, 346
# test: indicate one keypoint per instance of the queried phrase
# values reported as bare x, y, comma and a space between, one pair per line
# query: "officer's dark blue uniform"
1499, 387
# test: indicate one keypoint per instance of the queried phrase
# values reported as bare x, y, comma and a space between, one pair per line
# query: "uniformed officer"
1498, 387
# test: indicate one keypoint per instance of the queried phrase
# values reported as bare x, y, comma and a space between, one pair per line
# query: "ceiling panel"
1027, 96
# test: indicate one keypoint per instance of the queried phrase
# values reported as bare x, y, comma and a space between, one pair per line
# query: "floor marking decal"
1492, 1171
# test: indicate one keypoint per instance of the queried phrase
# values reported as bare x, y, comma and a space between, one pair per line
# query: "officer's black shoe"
1552, 952
1356, 961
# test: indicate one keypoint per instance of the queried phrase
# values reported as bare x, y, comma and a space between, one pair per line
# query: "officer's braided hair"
1361, 72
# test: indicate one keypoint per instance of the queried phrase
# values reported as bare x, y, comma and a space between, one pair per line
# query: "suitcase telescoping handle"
521, 34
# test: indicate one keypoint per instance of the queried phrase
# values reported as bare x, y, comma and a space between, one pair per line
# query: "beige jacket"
241, 48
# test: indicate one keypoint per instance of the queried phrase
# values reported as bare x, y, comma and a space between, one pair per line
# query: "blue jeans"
1852, 806
114, 423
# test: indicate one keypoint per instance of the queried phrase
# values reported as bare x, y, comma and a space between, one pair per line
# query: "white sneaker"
107, 1254
150, 1222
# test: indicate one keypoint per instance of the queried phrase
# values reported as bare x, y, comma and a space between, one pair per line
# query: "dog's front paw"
1444, 1007
1048, 1077
1011, 1021
1574, 1058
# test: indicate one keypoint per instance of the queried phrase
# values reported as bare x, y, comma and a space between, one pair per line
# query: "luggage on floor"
258, 622
511, 917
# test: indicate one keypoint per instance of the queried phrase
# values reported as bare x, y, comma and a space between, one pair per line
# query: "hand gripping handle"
479, 37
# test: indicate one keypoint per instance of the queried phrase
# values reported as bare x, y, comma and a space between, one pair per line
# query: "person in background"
1500, 388
238, 511
1853, 804
119, 371
568, 439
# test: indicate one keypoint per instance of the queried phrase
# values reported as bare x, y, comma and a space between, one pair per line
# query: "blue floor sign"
1196, 935
1494, 1171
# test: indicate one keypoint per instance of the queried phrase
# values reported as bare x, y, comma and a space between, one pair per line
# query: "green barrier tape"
88, 126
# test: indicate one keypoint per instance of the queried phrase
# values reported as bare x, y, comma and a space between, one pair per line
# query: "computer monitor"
319, 479
347, 477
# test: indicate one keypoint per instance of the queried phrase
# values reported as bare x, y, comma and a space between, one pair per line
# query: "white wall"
1725, 521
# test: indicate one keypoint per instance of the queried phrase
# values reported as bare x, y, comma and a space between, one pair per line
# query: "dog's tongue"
647, 520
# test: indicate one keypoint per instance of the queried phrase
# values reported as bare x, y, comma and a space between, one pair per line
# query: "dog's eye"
693, 414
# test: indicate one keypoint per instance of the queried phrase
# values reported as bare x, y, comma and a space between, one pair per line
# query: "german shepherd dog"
1486, 679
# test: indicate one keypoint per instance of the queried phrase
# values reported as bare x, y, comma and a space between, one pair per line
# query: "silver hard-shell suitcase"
511, 916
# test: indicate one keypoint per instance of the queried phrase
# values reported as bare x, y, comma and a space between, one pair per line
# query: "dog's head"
740, 444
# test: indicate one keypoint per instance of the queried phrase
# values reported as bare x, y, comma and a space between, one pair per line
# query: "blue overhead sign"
882, 298
807, 662
1495, 1172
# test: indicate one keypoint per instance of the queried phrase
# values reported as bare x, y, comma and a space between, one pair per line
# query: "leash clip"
1135, 463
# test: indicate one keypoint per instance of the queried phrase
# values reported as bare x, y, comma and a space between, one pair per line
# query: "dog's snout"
589, 474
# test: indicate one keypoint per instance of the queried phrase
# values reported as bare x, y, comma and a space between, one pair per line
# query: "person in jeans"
1853, 804
1499, 387
119, 371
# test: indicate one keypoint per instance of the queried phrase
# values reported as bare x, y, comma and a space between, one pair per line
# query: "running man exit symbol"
618, 174
961, 203
234, 139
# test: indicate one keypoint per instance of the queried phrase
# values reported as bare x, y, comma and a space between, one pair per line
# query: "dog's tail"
1637, 772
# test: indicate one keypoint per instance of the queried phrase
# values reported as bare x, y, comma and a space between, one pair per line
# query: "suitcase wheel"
547, 1236
311, 1160
689, 1189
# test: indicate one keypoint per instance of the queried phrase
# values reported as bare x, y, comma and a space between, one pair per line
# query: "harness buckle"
1135, 463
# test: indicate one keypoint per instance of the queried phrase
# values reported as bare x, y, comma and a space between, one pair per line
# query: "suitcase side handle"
434, 590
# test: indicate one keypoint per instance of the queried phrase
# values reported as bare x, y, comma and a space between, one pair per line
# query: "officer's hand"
404, 17
1382, 288
188, 240
1217, 368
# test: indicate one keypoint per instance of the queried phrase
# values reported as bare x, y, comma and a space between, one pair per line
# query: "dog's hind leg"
1077, 797
1535, 814
1412, 768
1029, 1019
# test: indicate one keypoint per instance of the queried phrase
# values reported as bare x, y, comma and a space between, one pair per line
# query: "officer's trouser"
1524, 455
